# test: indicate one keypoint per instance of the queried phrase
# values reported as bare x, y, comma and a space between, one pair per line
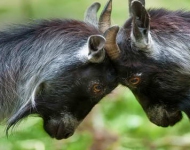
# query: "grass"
118, 121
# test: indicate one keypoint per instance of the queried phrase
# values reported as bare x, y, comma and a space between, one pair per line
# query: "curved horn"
111, 46
130, 2
91, 14
105, 17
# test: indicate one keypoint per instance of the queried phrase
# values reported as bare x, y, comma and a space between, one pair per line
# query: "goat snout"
61, 128
161, 116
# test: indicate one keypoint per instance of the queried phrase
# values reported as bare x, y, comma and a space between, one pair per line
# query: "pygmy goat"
153, 60
57, 69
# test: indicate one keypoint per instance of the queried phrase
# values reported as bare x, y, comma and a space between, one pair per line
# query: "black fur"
163, 69
42, 72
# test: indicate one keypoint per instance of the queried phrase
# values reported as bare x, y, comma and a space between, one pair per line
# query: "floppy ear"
140, 34
96, 52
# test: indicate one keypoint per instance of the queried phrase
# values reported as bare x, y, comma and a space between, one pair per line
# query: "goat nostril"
68, 134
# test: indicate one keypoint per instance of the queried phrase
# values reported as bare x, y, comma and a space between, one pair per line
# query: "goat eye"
134, 80
97, 88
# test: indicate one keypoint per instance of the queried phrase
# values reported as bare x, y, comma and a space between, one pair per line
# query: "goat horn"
130, 2
91, 14
111, 46
105, 17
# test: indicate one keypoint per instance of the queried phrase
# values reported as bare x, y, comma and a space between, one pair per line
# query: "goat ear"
96, 52
140, 34
130, 1
91, 14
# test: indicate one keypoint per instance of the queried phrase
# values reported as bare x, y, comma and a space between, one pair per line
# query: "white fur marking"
83, 52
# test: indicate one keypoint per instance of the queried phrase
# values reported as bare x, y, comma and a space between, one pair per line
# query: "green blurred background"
118, 121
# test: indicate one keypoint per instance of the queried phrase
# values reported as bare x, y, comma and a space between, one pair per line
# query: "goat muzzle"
61, 127
162, 116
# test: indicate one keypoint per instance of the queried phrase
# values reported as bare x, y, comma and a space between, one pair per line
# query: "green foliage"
118, 121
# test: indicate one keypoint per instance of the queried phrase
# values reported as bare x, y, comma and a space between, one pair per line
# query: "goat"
57, 69
152, 58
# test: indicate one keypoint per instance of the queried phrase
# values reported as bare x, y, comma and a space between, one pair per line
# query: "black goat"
154, 61
57, 69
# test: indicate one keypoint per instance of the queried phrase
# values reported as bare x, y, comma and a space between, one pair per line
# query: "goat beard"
26, 111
